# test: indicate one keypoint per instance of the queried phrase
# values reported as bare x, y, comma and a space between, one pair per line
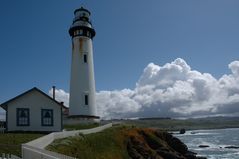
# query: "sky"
151, 58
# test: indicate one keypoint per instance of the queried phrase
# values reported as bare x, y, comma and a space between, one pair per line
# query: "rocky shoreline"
157, 144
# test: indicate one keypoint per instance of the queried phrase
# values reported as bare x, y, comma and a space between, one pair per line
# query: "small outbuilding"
35, 111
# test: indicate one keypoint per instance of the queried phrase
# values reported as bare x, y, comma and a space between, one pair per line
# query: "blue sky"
35, 47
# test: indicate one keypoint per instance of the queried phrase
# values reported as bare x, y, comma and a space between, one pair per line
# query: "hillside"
123, 142
188, 124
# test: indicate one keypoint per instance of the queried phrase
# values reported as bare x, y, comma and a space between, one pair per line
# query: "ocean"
216, 139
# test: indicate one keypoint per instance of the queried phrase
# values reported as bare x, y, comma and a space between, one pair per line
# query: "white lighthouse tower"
82, 83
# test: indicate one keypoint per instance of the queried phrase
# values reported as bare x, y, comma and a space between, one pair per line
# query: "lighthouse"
82, 102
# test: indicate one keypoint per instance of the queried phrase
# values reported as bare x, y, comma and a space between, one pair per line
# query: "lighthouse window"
81, 32
85, 58
86, 100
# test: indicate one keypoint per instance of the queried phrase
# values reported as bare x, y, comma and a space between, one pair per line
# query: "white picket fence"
35, 149
8, 156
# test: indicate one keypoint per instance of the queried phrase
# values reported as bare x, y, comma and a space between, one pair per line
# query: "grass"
112, 143
80, 126
109, 144
10, 143
188, 124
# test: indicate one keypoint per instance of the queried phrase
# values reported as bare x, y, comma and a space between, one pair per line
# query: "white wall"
35, 101
82, 78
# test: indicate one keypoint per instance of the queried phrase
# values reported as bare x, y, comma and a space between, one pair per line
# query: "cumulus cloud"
171, 90
60, 96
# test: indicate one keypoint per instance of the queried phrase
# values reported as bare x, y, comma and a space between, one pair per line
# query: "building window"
81, 32
47, 117
85, 58
23, 117
86, 99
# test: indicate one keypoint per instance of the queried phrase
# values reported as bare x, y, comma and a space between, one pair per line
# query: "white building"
82, 85
34, 111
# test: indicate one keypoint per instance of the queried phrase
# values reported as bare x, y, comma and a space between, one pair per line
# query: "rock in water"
182, 131
203, 146
232, 147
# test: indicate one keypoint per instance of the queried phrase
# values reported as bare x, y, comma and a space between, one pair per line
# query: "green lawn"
109, 144
10, 143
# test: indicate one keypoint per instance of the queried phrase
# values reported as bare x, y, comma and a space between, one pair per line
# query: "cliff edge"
156, 144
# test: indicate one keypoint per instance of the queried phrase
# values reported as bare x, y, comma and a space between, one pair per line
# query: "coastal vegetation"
187, 124
123, 142
107, 144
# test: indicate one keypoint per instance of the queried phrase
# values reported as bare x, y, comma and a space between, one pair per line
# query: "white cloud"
173, 89
112, 104
234, 66
61, 96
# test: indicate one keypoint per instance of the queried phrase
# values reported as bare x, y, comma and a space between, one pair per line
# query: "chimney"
54, 92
